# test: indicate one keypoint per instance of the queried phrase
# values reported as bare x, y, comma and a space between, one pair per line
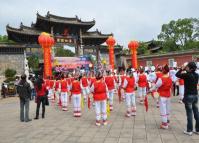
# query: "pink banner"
69, 62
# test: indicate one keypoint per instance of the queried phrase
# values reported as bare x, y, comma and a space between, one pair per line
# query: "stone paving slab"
62, 127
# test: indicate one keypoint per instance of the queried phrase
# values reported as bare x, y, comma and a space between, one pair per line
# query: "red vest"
84, 81
42, 91
93, 79
165, 89
109, 80
122, 79
51, 83
181, 82
158, 75
99, 90
130, 85
47, 82
89, 79
57, 84
142, 82
76, 89
115, 78
64, 86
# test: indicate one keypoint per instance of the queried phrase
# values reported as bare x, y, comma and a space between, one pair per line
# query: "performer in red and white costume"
64, 93
111, 84
51, 89
57, 90
121, 82
76, 95
99, 90
164, 85
129, 86
142, 84
158, 74
47, 83
85, 86
181, 90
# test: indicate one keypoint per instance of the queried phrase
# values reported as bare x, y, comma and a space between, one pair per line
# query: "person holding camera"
190, 99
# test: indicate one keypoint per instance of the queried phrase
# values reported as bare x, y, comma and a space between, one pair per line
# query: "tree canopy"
61, 52
181, 34
33, 61
4, 39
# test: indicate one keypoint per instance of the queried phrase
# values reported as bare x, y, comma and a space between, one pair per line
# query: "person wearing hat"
122, 77
129, 87
190, 96
64, 92
100, 90
142, 84
24, 91
164, 85
76, 96
85, 86
111, 84
58, 91
158, 74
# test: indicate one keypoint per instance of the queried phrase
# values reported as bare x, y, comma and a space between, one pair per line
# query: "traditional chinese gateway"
66, 31
70, 31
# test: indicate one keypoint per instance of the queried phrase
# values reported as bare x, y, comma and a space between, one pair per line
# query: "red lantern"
111, 42
133, 45
46, 42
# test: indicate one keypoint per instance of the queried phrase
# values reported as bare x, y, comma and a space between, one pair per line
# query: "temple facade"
72, 32
66, 31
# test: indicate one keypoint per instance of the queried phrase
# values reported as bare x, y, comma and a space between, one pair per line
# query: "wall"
13, 61
180, 59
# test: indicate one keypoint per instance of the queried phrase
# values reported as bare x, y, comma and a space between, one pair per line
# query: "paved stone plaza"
62, 127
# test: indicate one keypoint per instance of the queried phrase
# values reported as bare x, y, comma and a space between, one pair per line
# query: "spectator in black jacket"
24, 91
190, 96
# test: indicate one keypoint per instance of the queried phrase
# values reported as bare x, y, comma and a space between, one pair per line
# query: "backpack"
24, 90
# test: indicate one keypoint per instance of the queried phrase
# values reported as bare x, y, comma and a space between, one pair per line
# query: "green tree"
180, 34
4, 39
33, 62
143, 48
10, 73
61, 52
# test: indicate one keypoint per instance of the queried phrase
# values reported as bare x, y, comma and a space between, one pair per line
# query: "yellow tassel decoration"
108, 109
82, 103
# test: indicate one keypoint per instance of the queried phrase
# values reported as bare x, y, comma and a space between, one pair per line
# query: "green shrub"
9, 79
10, 73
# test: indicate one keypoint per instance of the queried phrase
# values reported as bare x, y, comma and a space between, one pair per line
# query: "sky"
127, 19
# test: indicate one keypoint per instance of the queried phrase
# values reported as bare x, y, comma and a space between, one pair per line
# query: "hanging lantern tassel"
146, 104
82, 103
119, 95
89, 103
108, 109
60, 103
70, 98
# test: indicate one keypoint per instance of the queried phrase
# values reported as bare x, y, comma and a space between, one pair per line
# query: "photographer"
190, 99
